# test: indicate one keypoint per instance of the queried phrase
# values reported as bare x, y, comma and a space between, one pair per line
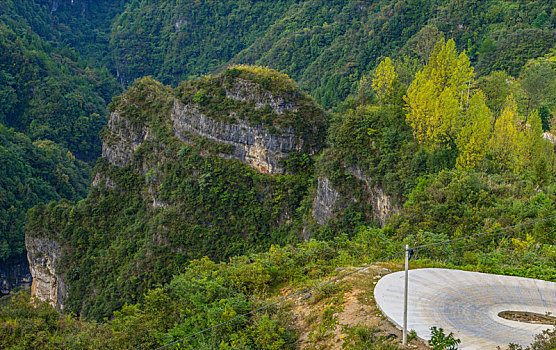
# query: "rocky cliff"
251, 144
186, 172
44, 258
258, 117
383, 206
324, 204
329, 202
125, 138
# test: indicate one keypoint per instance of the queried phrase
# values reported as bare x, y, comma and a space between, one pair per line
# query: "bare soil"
325, 317
528, 317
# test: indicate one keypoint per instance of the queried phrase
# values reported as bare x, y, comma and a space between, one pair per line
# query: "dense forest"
326, 46
32, 173
446, 109
52, 109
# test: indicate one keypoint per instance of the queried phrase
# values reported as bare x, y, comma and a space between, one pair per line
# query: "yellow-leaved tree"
536, 151
533, 142
383, 78
438, 96
507, 139
472, 139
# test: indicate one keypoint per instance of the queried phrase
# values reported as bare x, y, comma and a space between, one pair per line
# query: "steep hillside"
31, 173
46, 90
56, 104
180, 179
325, 46
80, 27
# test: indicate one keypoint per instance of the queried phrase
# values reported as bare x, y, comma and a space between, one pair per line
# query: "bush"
441, 341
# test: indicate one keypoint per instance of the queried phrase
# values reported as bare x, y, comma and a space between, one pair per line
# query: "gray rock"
245, 90
383, 206
325, 201
44, 257
325, 204
252, 144
124, 139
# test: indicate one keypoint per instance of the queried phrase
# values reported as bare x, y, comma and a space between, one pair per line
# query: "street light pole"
405, 294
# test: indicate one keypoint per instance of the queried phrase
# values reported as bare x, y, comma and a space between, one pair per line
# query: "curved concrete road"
467, 304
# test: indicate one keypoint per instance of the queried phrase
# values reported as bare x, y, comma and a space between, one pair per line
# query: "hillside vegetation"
121, 238
259, 149
52, 109
118, 248
61, 59
326, 46
32, 173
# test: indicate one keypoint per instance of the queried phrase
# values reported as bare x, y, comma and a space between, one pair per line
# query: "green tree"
441, 341
436, 97
537, 152
539, 83
497, 86
422, 44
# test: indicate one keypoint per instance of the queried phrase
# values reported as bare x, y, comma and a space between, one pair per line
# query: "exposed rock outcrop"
124, 140
325, 204
252, 144
44, 257
383, 206
245, 90
14, 274
258, 125
325, 201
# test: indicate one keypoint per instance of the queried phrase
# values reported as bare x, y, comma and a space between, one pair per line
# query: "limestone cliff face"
326, 203
252, 144
124, 139
383, 206
237, 100
44, 257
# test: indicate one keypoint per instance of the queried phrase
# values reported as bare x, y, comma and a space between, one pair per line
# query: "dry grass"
324, 318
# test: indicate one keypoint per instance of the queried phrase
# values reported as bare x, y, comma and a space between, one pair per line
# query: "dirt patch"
334, 317
528, 317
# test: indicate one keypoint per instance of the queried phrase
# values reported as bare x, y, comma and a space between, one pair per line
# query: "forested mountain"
178, 181
171, 164
80, 27
326, 46
32, 173
164, 195
54, 101
48, 91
